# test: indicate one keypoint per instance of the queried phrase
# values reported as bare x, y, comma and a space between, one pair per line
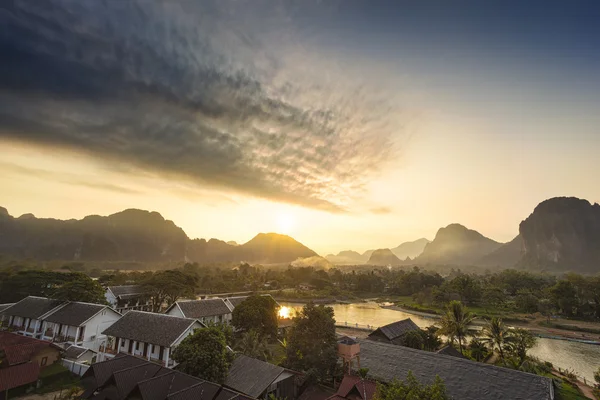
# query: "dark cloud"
190, 90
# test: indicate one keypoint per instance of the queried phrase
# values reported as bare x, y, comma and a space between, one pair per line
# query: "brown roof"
18, 375
20, 349
396, 329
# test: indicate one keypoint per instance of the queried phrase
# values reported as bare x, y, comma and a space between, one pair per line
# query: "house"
128, 377
128, 297
355, 388
464, 379
25, 317
2, 316
21, 360
147, 335
79, 323
235, 301
394, 332
258, 379
205, 310
79, 354
450, 351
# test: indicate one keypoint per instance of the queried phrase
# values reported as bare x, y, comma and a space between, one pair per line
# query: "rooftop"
32, 307
126, 291
159, 329
396, 329
18, 375
450, 351
251, 376
464, 379
73, 352
75, 313
203, 308
19, 349
353, 386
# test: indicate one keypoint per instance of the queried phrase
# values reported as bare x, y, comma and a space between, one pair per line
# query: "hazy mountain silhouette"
410, 249
383, 257
132, 235
507, 255
455, 244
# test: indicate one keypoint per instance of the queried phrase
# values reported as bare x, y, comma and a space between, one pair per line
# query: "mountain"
347, 257
455, 244
383, 257
562, 233
133, 235
507, 255
410, 249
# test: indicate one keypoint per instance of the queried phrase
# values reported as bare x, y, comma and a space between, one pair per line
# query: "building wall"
50, 353
176, 312
92, 335
110, 297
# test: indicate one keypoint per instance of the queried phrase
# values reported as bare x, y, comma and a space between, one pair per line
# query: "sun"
285, 223
285, 312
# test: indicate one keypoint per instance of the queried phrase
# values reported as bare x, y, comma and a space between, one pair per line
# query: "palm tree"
455, 322
252, 345
478, 349
496, 333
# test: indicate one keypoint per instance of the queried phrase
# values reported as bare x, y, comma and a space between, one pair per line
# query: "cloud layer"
223, 94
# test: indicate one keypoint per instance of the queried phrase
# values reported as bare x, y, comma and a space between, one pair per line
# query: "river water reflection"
582, 358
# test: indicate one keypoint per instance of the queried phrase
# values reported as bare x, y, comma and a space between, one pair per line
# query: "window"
137, 345
44, 361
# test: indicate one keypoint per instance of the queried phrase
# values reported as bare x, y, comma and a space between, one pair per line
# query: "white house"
79, 323
128, 297
26, 316
147, 335
79, 354
205, 310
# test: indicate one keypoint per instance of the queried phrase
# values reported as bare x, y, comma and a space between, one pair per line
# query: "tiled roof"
126, 291
73, 352
19, 349
236, 301
159, 329
203, 308
464, 379
397, 329
251, 376
32, 307
127, 379
450, 351
102, 371
18, 375
160, 387
200, 391
4, 307
75, 313
357, 386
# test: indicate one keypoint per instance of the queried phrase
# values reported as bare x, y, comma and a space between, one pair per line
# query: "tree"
81, 288
204, 354
431, 340
413, 339
17, 286
477, 349
597, 377
253, 345
467, 287
311, 342
455, 322
257, 313
411, 389
519, 341
168, 287
564, 295
496, 333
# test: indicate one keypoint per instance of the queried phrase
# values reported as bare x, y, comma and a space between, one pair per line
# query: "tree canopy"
311, 341
411, 389
258, 313
204, 354
168, 287
81, 288
455, 322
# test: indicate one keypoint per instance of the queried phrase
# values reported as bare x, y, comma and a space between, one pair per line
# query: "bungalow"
259, 379
394, 332
79, 323
355, 388
127, 377
25, 317
147, 335
205, 310
79, 354
464, 379
128, 297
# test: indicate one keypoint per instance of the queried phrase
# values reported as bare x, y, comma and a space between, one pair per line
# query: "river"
582, 358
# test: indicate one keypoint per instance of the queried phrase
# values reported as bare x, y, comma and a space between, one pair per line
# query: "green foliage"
496, 334
81, 288
519, 342
455, 322
257, 313
204, 354
478, 350
411, 389
597, 377
311, 341
168, 287
413, 339
363, 372
253, 345
423, 339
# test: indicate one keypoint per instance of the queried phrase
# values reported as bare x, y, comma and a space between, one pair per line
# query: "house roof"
251, 376
102, 371
236, 301
396, 329
464, 379
450, 351
32, 307
18, 375
73, 352
200, 391
355, 385
19, 349
75, 313
4, 307
127, 379
203, 308
160, 387
159, 329
127, 291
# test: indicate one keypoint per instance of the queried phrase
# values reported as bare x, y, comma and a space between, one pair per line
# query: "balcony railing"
30, 330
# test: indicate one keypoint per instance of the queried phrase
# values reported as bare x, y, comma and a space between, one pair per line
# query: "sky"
345, 124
